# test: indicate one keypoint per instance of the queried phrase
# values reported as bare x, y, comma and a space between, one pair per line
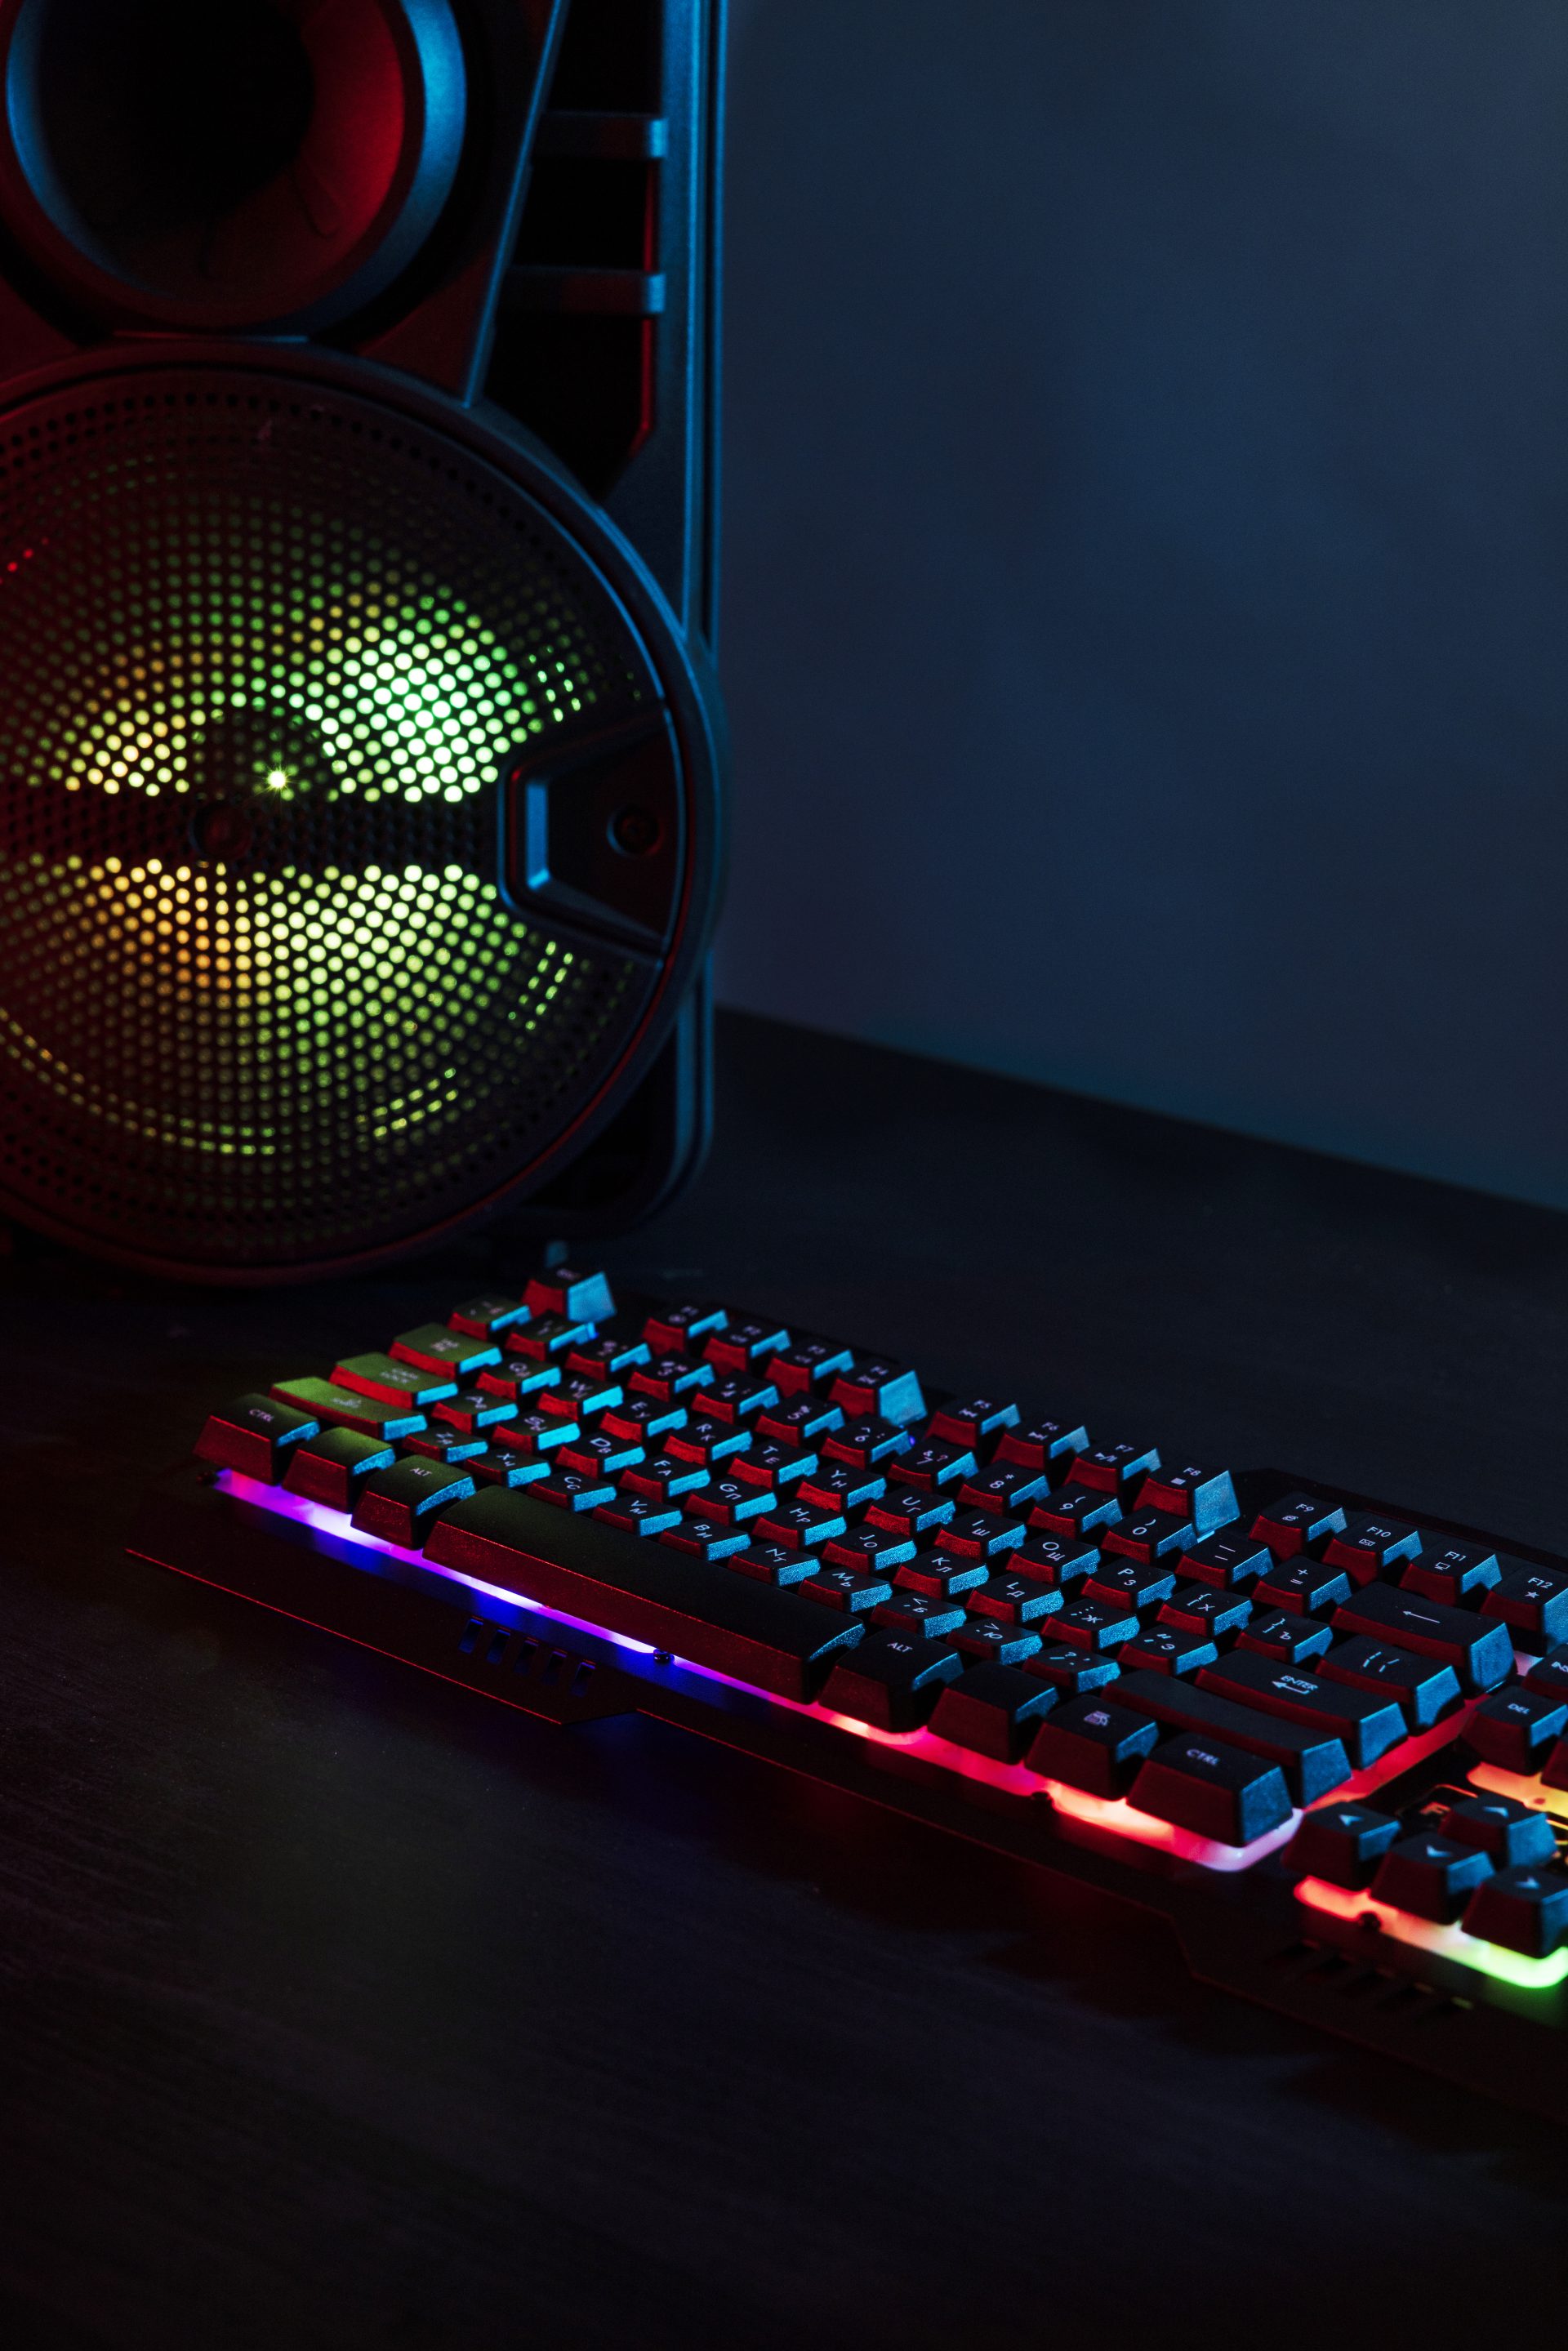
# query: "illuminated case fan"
359, 752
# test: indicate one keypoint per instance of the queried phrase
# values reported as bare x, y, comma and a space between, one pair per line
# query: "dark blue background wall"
1147, 553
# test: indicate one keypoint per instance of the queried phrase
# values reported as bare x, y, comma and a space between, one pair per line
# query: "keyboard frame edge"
1244, 1933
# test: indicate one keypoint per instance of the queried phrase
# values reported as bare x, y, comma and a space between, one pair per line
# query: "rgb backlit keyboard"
1328, 1738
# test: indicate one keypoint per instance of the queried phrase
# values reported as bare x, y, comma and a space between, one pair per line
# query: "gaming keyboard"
1326, 1736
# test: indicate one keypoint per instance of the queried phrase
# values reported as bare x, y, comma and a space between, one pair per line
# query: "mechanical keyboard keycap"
940, 1572
545, 1338
843, 1588
1313, 1759
486, 1318
639, 1418
1206, 1608
1231, 1561
608, 1356
1127, 1583
994, 1709
706, 1539
800, 1420
773, 1563
765, 1462
919, 1615
639, 1514
597, 1454
443, 1444
1524, 1909
1430, 1876
1278, 1633
1509, 1831
1516, 1728
1205, 1497
707, 1442
1369, 1725
733, 1401
872, 1550
575, 1295
1451, 1572
1075, 1512
746, 1340
729, 1501
874, 1389
936, 1466
1368, 1545
1290, 1525
1151, 1536
1343, 1843
1002, 1643
1532, 1600
1015, 1599
436, 1347
570, 1490
799, 1526
973, 1419
1424, 1690
808, 1363
1094, 1743
1073, 1669
868, 1444
1048, 1444
342, 1407
254, 1434
1051, 1558
1479, 1652
1094, 1625
890, 1680
400, 1504
503, 1465
906, 1511
834, 1486
1550, 1673
535, 1432
383, 1381
472, 1415
666, 1477
1166, 1649
330, 1466
1118, 1469
1005, 1487
1214, 1791
980, 1534
670, 1379
674, 1329
1303, 1586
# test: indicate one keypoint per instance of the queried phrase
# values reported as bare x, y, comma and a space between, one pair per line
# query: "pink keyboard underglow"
1113, 1817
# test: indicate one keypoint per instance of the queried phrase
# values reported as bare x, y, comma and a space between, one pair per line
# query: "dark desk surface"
338, 2009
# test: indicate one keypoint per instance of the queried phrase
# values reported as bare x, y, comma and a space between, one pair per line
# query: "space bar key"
772, 1639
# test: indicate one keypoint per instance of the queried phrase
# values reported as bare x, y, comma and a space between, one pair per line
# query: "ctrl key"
1094, 1744
254, 1435
1214, 1791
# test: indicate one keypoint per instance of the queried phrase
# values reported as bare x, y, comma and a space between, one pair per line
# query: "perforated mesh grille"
262, 652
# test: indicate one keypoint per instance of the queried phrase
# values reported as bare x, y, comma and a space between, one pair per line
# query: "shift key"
1479, 1651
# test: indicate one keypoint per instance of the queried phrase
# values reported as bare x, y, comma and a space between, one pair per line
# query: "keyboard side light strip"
1426, 1935
1117, 1817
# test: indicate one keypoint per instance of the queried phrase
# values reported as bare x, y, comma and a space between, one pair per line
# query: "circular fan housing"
357, 811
